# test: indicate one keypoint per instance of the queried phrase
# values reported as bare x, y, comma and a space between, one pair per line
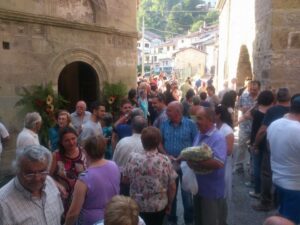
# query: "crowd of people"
103, 170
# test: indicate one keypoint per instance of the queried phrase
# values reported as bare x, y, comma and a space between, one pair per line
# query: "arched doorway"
78, 81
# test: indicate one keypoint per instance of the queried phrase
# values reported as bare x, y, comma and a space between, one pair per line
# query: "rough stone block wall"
39, 38
277, 45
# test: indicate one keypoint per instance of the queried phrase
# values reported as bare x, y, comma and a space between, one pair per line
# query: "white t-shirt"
225, 129
27, 137
3, 134
90, 129
125, 147
284, 139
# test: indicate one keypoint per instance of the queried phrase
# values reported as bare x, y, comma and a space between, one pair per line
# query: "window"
147, 45
5, 45
168, 48
160, 50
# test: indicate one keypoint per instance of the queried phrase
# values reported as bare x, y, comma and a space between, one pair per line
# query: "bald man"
277, 220
178, 132
80, 116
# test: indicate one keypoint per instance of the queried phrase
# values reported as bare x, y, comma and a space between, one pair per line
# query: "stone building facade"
189, 62
269, 32
76, 44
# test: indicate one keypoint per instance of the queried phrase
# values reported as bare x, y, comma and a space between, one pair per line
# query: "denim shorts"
289, 204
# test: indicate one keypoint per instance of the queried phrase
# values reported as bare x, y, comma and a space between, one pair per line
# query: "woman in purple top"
94, 187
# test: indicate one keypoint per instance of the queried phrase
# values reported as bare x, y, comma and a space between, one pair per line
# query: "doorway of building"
78, 81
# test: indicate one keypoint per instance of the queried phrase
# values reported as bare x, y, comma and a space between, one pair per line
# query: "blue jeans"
256, 162
187, 200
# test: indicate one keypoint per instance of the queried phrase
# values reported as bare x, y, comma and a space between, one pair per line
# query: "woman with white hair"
63, 119
29, 134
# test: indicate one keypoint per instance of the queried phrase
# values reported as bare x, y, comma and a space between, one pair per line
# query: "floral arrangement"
113, 94
44, 100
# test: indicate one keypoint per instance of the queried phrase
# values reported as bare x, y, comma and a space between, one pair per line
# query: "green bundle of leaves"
113, 94
44, 100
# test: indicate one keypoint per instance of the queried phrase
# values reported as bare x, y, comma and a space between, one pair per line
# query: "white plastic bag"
189, 181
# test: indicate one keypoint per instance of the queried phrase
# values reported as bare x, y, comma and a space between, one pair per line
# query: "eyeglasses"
30, 176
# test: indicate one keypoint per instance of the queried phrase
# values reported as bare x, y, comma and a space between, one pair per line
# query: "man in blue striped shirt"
178, 132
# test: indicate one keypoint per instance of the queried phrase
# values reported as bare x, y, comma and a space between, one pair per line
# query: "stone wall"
40, 37
285, 45
270, 30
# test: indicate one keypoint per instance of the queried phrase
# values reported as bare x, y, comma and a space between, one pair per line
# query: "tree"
171, 17
212, 17
196, 26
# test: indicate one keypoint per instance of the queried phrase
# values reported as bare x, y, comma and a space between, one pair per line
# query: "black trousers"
153, 218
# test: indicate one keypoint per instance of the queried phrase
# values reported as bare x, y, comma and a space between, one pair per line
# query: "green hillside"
169, 18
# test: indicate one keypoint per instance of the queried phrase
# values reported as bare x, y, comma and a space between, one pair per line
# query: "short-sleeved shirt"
90, 129
177, 137
162, 117
212, 185
274, 113
225, 129
123, 130
246, 100
27, 137
283, 136
19, 207
103, 183
3, 134
77, 121
125, 148
150, 174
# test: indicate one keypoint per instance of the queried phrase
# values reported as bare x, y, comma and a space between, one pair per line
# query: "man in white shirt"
32, 196
284, 141
93, 126
29, 134
80, 116
131, 144
128, 145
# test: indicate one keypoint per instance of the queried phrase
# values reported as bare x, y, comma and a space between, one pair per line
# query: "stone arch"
244, 68
72, 56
